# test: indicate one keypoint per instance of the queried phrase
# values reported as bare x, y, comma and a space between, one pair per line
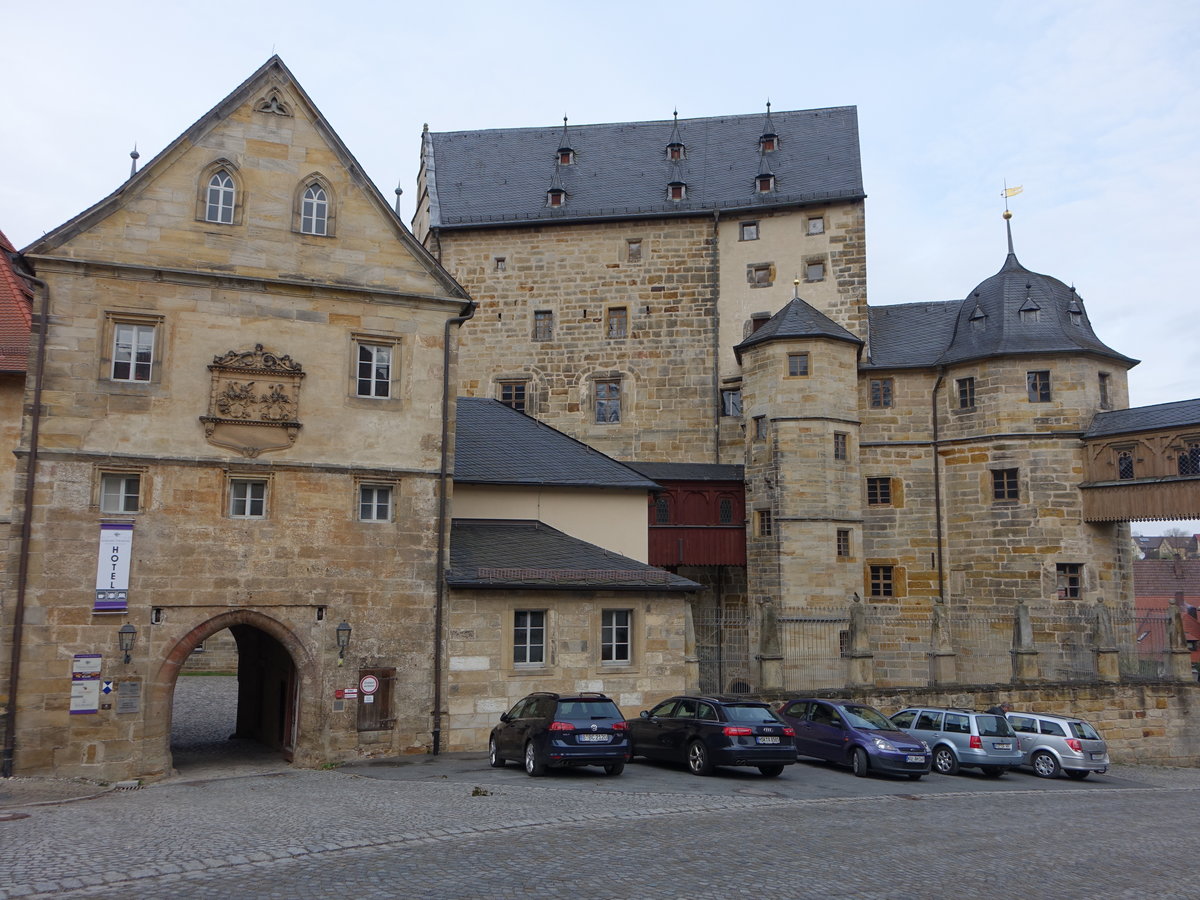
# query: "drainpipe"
14, 670
937, 485
439, 612
716, 341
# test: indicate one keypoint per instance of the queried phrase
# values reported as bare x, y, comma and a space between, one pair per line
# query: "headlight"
886, 746
925, 745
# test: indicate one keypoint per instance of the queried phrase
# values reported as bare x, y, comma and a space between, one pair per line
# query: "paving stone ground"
452, 827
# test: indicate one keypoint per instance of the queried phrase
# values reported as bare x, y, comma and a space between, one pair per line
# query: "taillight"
561, 726
789, 731
619, 726
1074, 744
976, 742
737, 730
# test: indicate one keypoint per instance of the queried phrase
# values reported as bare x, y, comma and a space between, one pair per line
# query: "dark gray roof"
621, 170
669, 471
525, 554
797, 320
494, 444
910, 334
1180, 414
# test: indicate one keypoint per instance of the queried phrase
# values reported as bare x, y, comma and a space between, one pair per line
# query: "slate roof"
495, 444
1178, 414
910, 334
16, 312
621, 170
670, 471
530, 555
797, 320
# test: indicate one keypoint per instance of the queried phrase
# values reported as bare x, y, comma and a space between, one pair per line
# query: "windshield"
588, 709
994, 726
868, 718
750, 713
1084, 731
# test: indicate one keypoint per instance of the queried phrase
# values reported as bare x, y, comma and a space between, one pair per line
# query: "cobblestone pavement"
452, 827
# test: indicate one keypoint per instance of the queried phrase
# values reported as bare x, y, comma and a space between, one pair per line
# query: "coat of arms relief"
254, 402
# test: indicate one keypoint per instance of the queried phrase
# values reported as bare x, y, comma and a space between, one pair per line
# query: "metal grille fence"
723, 648
814, 652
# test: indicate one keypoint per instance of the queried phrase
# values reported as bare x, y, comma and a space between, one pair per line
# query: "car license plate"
1097, 756
915, 759
592, 738
768, 740
1003, 745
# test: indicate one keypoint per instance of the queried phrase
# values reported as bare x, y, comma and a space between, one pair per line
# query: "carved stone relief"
254, 401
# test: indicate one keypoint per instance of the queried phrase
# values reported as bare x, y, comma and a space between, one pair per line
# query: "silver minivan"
1051, 745
963, 737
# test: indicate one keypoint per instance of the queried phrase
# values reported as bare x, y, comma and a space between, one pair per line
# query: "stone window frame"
731, 402
843, 538
1038, 386
965, 393
556, 198
102, 473
234, 477
315, 179
749, 231
885, 579
881, 393
634, 250
395, 345
1104, 383
1069, 580
364, 483
676, 151
676, 191
612, 386
544, 645
511, 385
841, 446
203, 182
809, 264
566, 156
1006, 485
884, 489
799, 364
760, 274
764, 184
499, 263
764, 523
543, 324
761, 428
607, 636
814, 222
616, 316
113, 319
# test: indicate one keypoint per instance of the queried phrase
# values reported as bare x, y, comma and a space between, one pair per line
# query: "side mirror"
504, 717
645, 713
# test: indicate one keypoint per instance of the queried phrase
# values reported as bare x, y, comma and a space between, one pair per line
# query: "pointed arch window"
222, 196
314, 210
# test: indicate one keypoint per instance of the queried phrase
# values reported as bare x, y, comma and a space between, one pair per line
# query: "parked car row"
546, 730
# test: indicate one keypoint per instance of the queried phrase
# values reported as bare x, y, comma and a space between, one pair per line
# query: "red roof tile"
16, 312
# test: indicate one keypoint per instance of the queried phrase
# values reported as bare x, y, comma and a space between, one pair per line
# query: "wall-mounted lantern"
125, 637
343, 641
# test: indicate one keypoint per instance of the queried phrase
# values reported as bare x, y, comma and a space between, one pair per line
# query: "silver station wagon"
1051, 745
962, 737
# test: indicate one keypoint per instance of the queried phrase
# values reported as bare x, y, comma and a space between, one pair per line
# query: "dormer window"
566, 156
765, 183
769, 143
556, 197
1030, 311
676, 190
676, 151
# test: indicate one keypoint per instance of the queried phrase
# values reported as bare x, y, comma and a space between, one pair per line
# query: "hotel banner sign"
112, 568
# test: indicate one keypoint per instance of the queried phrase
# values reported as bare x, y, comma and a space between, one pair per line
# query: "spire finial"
1009, 192
399, 191
134, 156
795, 288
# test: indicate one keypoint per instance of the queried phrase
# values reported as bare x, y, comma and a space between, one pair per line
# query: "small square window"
843, 543
760, 428
731, 401
633, 250
966, 393
617, 324
374, 503
883, 581
676, 191
814, 270
566, 157
555, 197
501, 264
840, 442
764, 525
374, 377
529, 637
816, 225
749, 231
616, 630
879, 491
765, 183
543, 325
881, 393
760, 273
768, 142
797, 365
1039, 386
1005, 485
247, 499
608, 401
1070, 580
513, 394
120, 493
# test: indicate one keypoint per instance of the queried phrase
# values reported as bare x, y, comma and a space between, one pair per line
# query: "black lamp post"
125, 637
343, 641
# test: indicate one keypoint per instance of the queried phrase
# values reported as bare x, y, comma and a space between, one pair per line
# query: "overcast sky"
1093, 107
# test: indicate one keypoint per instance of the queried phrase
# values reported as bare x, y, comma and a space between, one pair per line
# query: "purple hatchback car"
855, 735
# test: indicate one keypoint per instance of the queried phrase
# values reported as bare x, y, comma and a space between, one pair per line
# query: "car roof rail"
599, 694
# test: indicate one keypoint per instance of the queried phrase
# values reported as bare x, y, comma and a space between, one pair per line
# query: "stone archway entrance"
255, 712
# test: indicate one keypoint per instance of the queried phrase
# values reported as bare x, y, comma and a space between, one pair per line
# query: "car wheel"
859, 762
944, 761
697, 759
495, 760
993, 771
915, 776
771, 771
1045, 765
614, 768
534, 767
1077, 774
